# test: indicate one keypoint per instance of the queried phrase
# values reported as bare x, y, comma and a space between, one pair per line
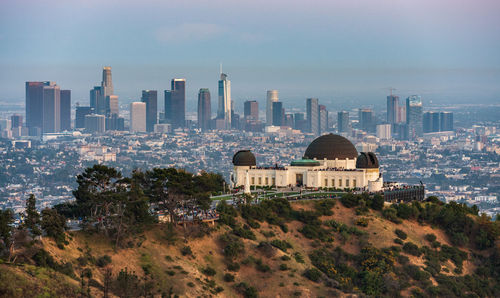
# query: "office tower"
16, 120
175, 104
343, 125
288, 121
204, 109
95, 123
138, 117
430, 122
312, 115
300, 121
80, 114
107, 83
402, 114
51, 111
5, 124
115, 122
95, 99
272, 96
277, 113
392, 109
251, 110
150, 97
224, 110
323, 119
446, 121
235, 120
112, 105
384, 131
414, 116
367, 120
65, 110
34, 106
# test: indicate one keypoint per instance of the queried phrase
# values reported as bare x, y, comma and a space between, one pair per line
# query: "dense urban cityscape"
44, 149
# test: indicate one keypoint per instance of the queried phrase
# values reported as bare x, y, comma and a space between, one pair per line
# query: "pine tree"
32, 220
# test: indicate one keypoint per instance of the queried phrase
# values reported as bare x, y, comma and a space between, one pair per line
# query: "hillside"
273, 257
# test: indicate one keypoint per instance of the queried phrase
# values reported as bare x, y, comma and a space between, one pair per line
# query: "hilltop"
320, 248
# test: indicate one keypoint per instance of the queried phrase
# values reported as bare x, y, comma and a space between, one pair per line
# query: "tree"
54, 225
32, 220
6, 221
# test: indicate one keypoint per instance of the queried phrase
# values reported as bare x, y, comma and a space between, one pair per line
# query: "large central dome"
330, 147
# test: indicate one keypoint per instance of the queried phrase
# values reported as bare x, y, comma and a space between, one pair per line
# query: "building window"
326, 182
260, 180
353, 182
267, 180
253, 180
274, 181
333, 182
347, 183
340, 182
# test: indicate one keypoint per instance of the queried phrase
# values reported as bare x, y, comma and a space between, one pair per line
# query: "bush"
244, 233
417, 274
298, 257
285, 258
324, 207
186, 251
398, 241
233, 266
103, 261
401, 234
430, 237
391, 214
362, 221
313, 274
228, 277
412, 249
262, 267
209, 271
233, 246
377, 203
314, 231
406, 211
267, 249
284, 267
247, 291
349, 200
281, 244
403, 260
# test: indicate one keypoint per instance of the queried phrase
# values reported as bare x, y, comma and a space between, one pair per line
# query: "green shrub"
403, 260
398, 241
285, 258
324, 207
228, 277
391, 214
281, 244
268, 234
412, 249
415, 273
349, 200
209, 271
233, 266
298, 257
103, 261
313, 274
244, 233
284, 267
377, 203
430, 237
247, 291
401, 234
362, 221
186, 251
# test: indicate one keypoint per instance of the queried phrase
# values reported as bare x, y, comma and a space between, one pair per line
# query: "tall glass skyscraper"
224, 110
175, 103
65, 110
278, 113
204, 109
392, 109
343, 122
312, 108
150, 97
446, 121
34, 106
272, 96
414, 116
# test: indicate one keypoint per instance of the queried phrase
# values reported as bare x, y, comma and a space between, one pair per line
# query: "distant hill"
275, 249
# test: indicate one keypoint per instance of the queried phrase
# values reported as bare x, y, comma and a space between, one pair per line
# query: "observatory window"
340, 182
353, 182
326, 182
274, 181
347, 183
333, 182
267, 180
253, 180
260, 180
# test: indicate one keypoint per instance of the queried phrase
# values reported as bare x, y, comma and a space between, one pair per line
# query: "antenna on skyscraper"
220, 68
392, 89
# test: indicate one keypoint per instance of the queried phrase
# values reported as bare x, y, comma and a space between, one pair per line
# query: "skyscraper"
204, 109
51, 111
251, 110
65, 110
16, 120
312, 115
138, 117
80, 114
367, 120
430, 122
95, 123
343, 122
224, 110
112, 105
272, 96
107, 83
414, 116
175, 103
150, 97
96, 100
278, 113
323, 119
34, 106
300, 122
392, 109
446, 121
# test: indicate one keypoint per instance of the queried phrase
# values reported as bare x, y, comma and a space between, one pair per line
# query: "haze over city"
340, 51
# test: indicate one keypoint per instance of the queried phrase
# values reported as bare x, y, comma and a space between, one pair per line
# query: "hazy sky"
340, 51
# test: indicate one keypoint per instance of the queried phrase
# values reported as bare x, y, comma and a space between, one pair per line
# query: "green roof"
305, 163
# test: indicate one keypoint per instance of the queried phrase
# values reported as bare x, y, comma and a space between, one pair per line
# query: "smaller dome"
367, 160
244, 158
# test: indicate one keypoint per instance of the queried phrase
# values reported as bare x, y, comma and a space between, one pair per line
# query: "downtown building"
204, 109
272, 96
175, 104
150, 98
414, 125
224, 110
